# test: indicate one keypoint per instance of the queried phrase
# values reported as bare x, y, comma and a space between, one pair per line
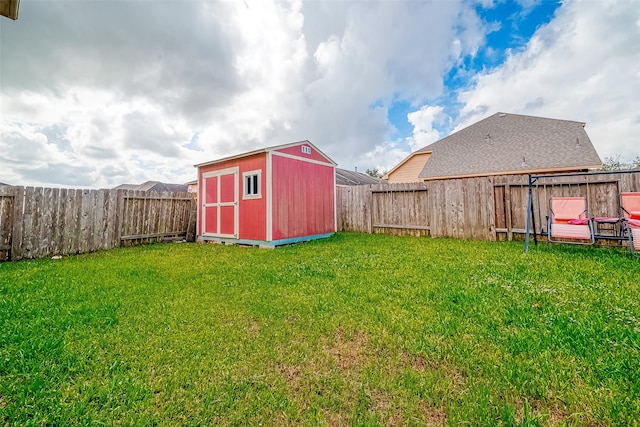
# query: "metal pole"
533, 215
529, 207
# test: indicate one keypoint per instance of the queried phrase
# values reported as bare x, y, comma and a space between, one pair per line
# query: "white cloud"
92, 130
382, 157
123, 103
26, 149
130, 109
582, 66
383, 51
328, 53
423, 130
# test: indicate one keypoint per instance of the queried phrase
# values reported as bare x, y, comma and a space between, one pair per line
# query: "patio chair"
632, 231
630, 205
568, 219
630, 213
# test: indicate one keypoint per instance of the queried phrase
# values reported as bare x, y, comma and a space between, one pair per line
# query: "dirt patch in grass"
383, 404
292, 374
557, 416
557, 413
417, 362
253, 328
434, 415
458, 379
336, 419
344, 356
348, 352
551, 412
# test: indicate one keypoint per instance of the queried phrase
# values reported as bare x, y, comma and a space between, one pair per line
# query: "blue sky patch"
513, 26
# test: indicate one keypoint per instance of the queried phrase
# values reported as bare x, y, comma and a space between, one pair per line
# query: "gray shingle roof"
347, 177
511, 143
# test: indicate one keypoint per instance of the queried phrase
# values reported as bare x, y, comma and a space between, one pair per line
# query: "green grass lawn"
351, 330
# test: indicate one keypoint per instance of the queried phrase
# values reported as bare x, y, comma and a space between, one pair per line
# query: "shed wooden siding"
251, 212
296, 150
410, 171
303, 198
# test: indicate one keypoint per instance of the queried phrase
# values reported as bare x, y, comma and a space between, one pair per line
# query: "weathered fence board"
483, 208
38, 222
6, 221
353, 206
401, 211
167, 216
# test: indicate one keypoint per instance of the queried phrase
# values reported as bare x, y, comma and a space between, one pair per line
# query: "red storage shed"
269, 197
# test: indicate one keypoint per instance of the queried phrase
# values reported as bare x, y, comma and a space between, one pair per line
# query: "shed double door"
220, 205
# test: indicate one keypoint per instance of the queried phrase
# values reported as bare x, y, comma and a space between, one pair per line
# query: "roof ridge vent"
503, 114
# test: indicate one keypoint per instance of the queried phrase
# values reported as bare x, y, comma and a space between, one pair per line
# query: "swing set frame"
534, 181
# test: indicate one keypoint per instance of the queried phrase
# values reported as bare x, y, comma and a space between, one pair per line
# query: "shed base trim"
264, 243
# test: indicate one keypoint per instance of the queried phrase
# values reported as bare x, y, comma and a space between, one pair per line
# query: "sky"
95, 93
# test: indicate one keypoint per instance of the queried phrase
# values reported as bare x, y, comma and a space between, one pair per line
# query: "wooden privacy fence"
39, 222
483, 208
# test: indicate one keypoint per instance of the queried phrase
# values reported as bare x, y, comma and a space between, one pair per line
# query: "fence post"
193, 222
119, 218
17, 227
369, 219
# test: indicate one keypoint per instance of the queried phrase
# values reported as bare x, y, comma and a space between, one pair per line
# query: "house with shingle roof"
502, 144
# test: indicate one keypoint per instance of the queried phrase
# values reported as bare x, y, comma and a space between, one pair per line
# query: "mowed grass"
351, 330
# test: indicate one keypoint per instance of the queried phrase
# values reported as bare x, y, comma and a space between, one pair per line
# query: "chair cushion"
579, 221
567, 208
571, 231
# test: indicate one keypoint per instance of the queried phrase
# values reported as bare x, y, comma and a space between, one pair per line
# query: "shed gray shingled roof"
511, 143
347, 177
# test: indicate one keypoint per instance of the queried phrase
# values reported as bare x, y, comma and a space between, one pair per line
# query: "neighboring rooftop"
508, 144
346, 177
156, 186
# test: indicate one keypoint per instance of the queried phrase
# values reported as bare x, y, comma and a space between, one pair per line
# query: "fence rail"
37, 222
483, 208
